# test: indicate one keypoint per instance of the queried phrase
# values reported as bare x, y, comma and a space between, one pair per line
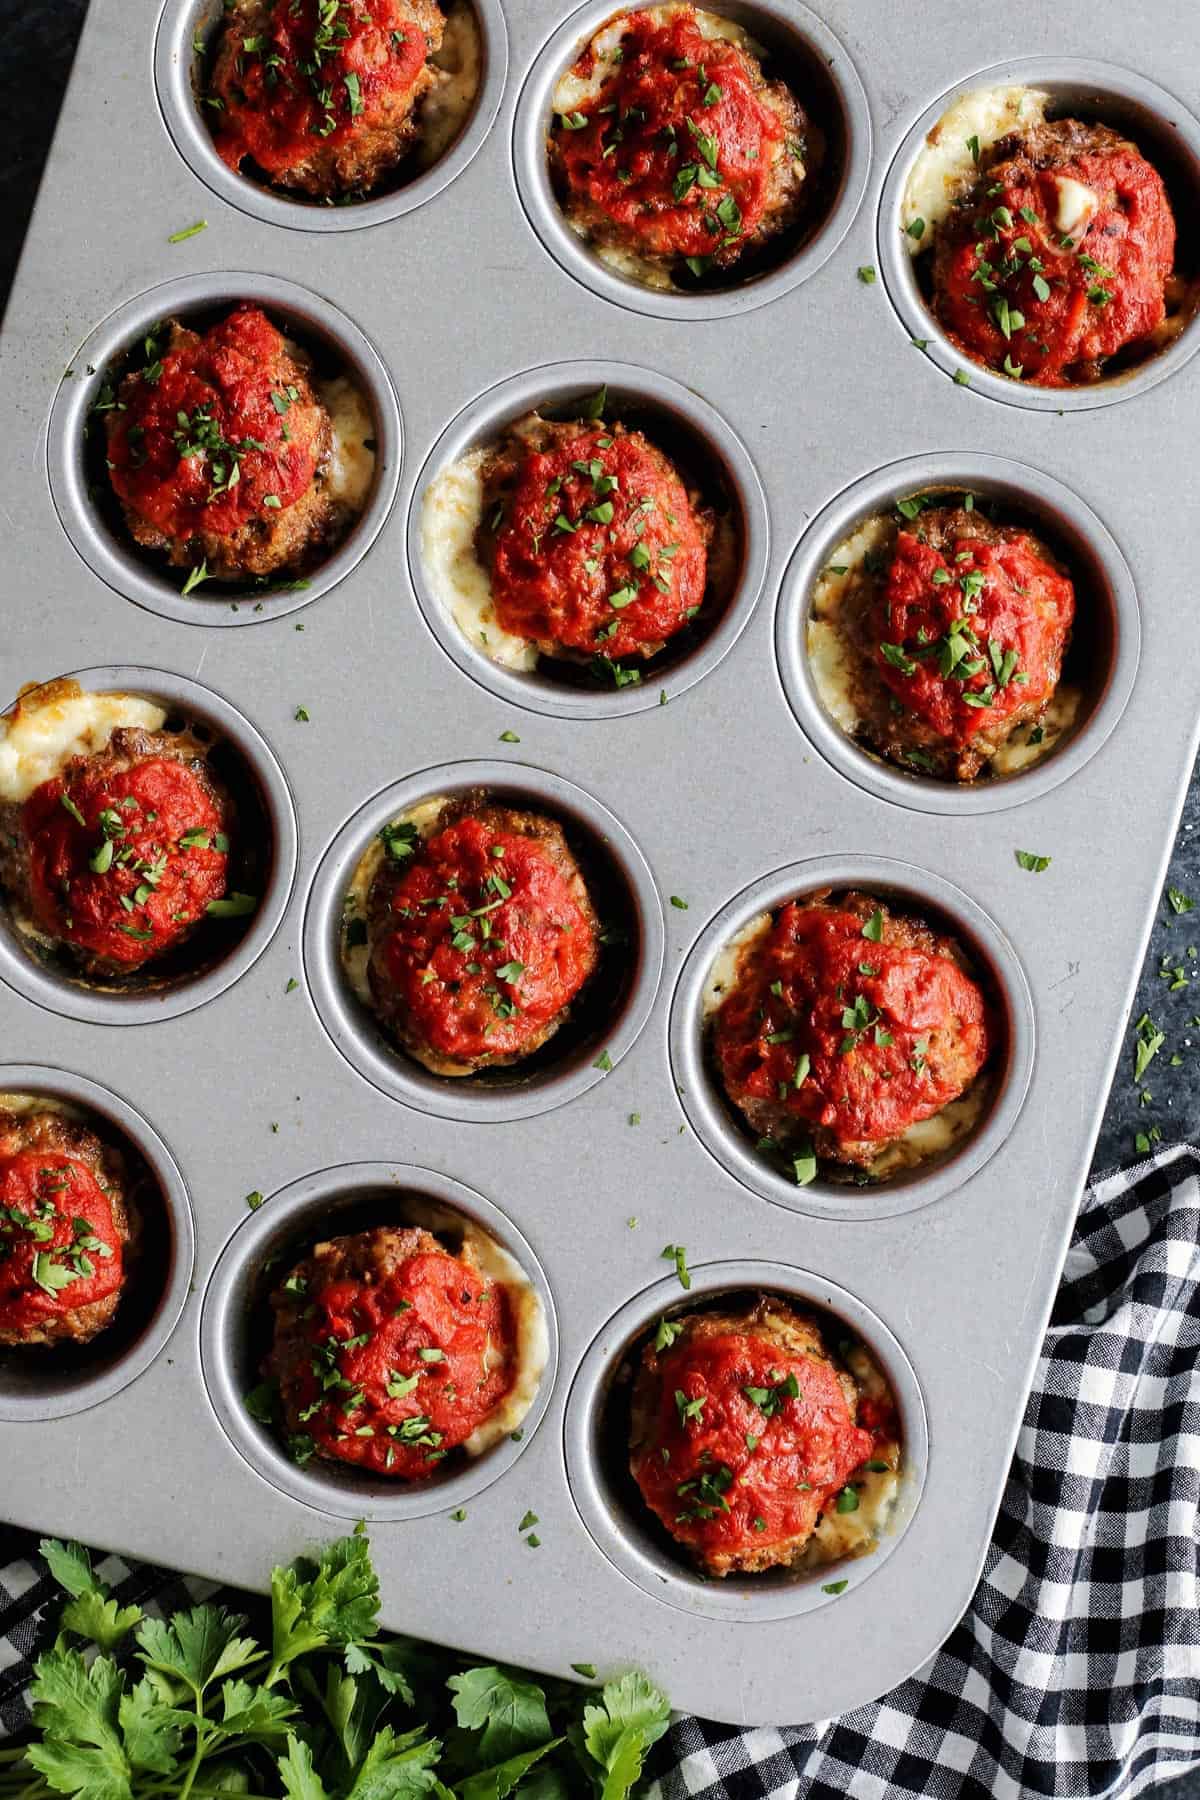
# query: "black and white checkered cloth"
1077, 1669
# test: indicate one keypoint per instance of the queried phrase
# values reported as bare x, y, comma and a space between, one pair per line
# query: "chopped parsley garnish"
1030, 860
677, 1253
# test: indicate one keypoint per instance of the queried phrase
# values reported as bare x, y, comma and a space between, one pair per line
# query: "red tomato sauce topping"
967, 639
487, 942
205, 446
600, 549
676, 148
122, 863
1021, 295
837, 1027
322, 73
731, 1474
405, 1369
59, 1248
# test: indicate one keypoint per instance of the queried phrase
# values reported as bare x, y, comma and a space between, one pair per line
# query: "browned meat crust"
549, 834
53, 1132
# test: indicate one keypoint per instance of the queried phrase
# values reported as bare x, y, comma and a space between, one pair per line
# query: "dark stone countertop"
41, 36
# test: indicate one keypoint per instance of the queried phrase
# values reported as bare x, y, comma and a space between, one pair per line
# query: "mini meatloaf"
67, 1229
389, 1351
482, 934
1056, 260
593, 541
745, 1431
322, 96
219, 452
845, 1024
953, 636
671, 148
118, 856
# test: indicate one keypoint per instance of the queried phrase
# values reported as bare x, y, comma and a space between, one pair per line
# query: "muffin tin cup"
117, 561
1093, 552
320, 1206
770, 20
711, 1115
34, 1385
71, 999
173, 64
622, 1530
1117, 96
713, 441
354, 1031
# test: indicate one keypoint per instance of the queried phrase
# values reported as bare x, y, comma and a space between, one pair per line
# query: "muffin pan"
716, 787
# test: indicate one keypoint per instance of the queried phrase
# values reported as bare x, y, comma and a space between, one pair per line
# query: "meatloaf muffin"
67, 1230
951, 632
322, 96
219, 452
844, 1025
670, 148
745, 1432
119, 854
482, 934
390, 1353
1049, 244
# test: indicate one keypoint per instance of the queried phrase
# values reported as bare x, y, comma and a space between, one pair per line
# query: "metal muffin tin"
718, 790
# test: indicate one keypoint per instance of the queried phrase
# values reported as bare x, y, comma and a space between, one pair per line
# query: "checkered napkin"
1077, 1669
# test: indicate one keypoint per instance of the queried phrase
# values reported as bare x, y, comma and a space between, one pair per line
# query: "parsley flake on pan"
325, 1707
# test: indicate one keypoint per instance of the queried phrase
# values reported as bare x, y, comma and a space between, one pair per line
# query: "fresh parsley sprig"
194, 1706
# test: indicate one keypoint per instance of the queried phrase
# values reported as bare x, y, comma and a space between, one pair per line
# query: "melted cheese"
356, 957
529, 1319
842, 1535
450, 102
51, 724
945, 168
22, 1105
351, 466
923, 1141
450, 516
1077, 205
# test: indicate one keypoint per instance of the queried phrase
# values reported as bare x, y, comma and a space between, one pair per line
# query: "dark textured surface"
40, 39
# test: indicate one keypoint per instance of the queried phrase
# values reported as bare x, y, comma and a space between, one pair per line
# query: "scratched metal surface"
823, 387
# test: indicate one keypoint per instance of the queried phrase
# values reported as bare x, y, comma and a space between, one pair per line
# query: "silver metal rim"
352, 1029
181, 116
482, 421
118, 564
316, 1201
896, 266
568, 250
89, 1390
631, 1549
1092, 544
94, 1007
704, 1105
